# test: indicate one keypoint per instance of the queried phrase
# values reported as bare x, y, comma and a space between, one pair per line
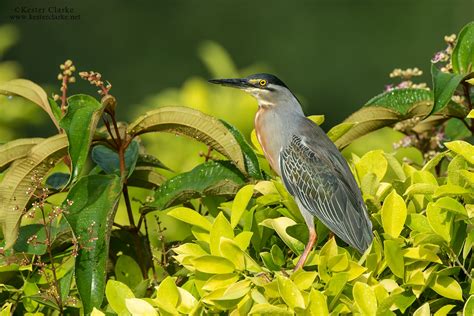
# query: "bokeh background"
334, 54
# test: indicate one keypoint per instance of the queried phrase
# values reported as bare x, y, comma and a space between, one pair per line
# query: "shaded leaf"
444, 86
128, 271
145, 177
108, 159
211, 178
58, 180
192, 123
250, 158
15, 150
15, 184
95, 199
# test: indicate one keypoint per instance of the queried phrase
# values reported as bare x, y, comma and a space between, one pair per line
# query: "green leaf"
116, 293
145, 177
339, 130
268, 309
220, 228
394, 257
424, 310
318, 119
80, 123
250, 158
15, 150
192, 123
108, 160
469, 306
58, 180
236, 290
447, 287
372, 162
128, 271
441, 221
147, 160
14, 193
30, 91
167, 294
240, 203
462, 58
290, 293
462, 148
387, 109
190, 216
418, 223
95, 199
365, 298
213, 178
139, 307
451, 205
317, 303
213, 265
394, 213
280, 225
444, 86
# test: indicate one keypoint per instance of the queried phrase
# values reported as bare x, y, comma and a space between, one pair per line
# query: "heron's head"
267, 89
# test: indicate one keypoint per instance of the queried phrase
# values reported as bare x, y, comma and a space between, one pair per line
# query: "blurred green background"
334, 54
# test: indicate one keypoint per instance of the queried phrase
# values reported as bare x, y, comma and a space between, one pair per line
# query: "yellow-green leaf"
440, 221
317, 303
394, 213
213, 265
373, 161
289, 293
447, 287
220, 228
365, 298
462, 148
423, 310
469, 306
138, 307
318, 119
116, 293
240, 202
190, 216
394, 257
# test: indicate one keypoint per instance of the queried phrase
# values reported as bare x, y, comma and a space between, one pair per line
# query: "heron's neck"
275, 126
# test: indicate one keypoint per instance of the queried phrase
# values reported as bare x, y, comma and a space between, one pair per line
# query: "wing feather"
321, 181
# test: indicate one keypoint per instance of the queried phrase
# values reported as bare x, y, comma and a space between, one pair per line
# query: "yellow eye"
263, 82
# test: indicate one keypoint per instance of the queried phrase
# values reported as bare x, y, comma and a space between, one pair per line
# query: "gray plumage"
312, 168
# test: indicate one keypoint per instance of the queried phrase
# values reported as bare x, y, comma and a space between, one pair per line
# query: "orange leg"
312, 239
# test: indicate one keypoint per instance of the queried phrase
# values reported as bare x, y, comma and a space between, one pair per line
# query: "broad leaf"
444, 86
108, 159
387, 109
190, 216
146, 177
365, 298
210, 178
58, 180
463, 53
447, 287
15, 150
14, 193
213, 265
139, 307
128, 271
80, 123
31, 91
116, 293
280, 225
394, 257
394, 213
191, 123
290, 293
95, 199
240, 202
462, 148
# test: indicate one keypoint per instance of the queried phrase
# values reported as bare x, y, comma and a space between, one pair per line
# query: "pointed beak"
235, 83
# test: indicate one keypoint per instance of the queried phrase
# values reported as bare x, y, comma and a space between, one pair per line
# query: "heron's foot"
312, 239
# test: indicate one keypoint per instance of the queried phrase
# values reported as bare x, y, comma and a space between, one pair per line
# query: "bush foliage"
241, 233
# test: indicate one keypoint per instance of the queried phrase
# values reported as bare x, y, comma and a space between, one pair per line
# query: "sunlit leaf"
365, 298
394, 213
290, 293
138, 307
240, 202
190, 216
31, 91
213, 265
394, 257
462, 148
116, 293
440, 221
462, 58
